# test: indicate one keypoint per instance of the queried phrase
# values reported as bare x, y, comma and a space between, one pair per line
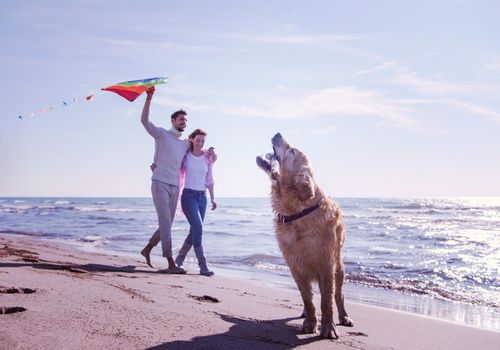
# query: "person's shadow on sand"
79, 268
246, 334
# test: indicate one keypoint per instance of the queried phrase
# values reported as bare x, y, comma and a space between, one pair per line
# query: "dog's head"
288, 167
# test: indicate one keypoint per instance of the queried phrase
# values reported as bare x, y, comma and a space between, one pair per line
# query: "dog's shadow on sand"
246, 334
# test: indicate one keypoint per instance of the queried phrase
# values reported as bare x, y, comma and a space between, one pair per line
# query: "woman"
196, 175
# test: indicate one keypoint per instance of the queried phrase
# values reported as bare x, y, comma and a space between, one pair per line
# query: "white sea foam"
118, 210
62, 202
92, 239
247, 212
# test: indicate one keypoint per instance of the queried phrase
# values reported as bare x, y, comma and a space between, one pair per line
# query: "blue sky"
387, 98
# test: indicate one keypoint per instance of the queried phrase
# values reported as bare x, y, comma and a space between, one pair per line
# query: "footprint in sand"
15, 290
11, 309
358, 334
206, 298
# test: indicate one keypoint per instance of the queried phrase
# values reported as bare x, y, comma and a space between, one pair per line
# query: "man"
169, 152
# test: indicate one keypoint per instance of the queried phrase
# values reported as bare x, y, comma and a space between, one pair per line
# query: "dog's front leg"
305, 287
325, 281
344, 319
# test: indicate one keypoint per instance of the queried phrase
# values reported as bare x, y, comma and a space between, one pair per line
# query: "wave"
426, 285
120, 238
23, 208
92, 239
247, 212
423, 287
24, 233
60, 202
117, 210
62, 206
252, 260
108, 219
37, 234
218, 233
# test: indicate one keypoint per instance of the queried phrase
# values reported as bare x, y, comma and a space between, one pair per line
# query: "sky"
386, 98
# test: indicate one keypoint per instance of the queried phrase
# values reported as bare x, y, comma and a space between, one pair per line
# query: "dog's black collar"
285, 219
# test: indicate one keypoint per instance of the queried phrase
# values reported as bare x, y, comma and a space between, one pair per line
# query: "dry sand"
82, 300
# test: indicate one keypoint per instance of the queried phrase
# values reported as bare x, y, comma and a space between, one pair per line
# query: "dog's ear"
305, 184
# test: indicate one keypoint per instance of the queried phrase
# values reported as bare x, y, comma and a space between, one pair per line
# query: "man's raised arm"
150, 128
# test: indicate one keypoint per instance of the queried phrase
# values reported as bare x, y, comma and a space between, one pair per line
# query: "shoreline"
421, 305
92, 299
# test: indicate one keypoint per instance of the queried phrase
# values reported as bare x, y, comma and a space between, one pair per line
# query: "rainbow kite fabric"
132, 89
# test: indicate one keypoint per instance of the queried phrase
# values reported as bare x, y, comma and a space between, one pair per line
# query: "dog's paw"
329, 331
346, 321
309, 326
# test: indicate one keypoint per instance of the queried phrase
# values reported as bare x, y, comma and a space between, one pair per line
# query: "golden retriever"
310, 234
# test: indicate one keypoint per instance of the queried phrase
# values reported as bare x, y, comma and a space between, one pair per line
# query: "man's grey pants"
165, 198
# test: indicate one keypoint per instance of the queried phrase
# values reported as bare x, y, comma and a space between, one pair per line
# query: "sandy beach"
80, 300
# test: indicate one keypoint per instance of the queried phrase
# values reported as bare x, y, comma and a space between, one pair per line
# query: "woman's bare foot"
146, 252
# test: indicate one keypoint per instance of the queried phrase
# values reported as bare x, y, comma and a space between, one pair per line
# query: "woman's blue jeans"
194, 205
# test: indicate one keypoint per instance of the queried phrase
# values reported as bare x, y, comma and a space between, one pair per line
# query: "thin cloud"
489, 114
303, 39
306, 39
436, 88
485, 112
439, 86
379, 67
389, 63
340, 102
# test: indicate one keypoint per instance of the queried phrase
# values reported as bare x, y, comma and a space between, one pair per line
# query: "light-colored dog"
310, 234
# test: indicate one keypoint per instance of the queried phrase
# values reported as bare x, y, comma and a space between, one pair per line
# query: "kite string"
63, 104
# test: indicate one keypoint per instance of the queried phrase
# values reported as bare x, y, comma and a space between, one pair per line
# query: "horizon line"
259, 197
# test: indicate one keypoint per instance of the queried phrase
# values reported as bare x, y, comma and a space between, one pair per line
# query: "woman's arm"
210, 180
212, 198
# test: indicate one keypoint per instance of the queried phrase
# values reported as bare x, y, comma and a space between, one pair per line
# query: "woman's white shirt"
196, 172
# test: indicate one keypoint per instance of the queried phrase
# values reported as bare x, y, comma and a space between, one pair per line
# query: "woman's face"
198, 142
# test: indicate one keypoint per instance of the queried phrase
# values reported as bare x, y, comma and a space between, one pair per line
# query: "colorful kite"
130, 90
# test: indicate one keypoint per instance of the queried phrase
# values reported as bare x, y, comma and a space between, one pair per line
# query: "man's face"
179, 123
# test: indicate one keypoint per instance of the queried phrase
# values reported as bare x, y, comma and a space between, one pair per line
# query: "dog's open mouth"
263, 163
270, 161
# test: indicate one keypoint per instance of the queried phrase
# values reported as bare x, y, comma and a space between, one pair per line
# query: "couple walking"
179, 163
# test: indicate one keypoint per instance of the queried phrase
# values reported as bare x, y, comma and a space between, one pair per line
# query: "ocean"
438, 257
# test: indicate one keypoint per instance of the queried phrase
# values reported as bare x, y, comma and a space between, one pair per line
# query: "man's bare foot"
174, 270
146, 252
